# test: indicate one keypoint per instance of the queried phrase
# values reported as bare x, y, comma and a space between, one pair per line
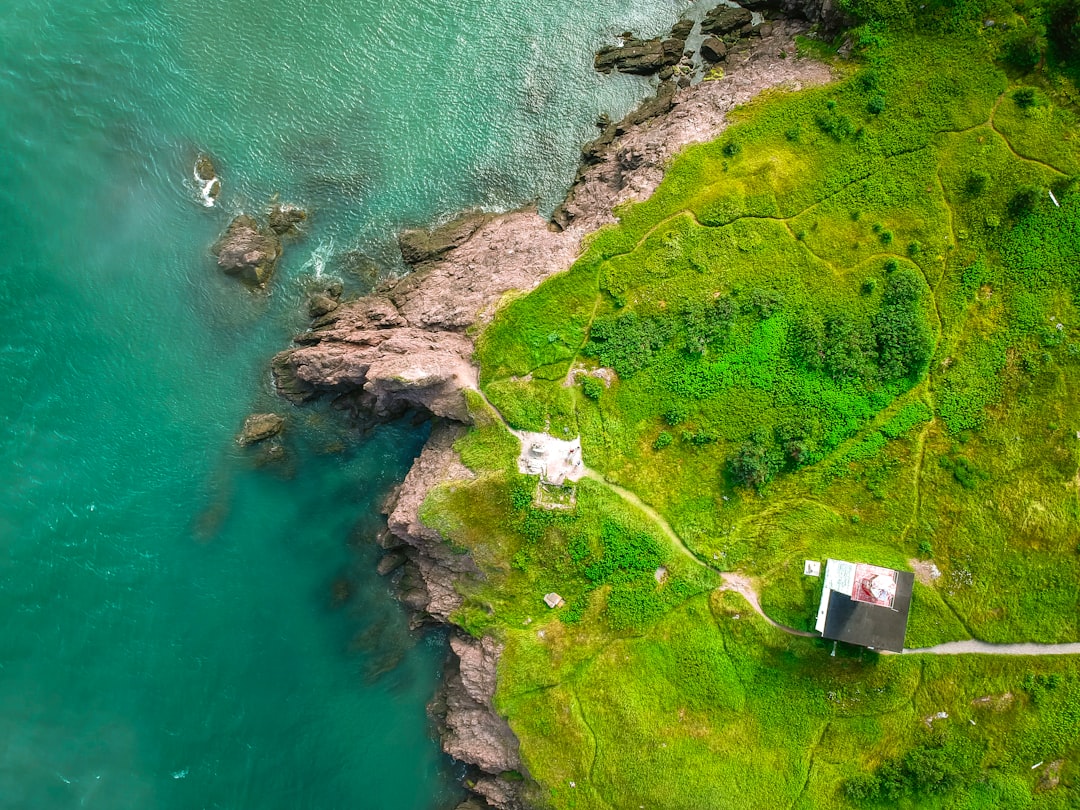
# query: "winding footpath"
744, 586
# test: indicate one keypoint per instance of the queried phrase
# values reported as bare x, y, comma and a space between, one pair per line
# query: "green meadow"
847, 328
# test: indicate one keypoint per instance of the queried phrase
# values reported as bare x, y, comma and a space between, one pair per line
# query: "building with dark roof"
865, 605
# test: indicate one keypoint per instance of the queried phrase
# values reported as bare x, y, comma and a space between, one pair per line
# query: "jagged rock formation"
641, 56
247, 251
470, 728
406, 347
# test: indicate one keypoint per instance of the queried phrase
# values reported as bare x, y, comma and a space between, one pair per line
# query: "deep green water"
170, 635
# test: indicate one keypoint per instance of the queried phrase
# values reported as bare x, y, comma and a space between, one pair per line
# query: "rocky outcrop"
432, 566
378, 364
826, 14
247, 251
641, 56
284, 218
206, 180
626, 162
471, 729
259, 427
409, 345
725, 20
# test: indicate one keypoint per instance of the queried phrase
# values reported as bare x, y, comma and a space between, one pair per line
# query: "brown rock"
472, 731
713, 50
724, 19
639, 56
390, 563
204, 168
248, 252
320, 304
259, 427
419, 246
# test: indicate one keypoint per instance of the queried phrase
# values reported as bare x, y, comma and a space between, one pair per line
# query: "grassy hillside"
847, 328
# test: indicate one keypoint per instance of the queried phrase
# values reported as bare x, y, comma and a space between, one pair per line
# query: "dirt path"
741, 584
973, 647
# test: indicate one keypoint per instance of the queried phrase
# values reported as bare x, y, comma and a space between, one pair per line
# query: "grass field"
847, 328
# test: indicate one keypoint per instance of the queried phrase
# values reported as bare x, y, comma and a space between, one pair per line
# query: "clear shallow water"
172, 637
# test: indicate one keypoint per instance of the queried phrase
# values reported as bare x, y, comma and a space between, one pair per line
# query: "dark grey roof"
870, 625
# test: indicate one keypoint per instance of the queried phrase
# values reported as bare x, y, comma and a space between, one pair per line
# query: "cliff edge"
407, 347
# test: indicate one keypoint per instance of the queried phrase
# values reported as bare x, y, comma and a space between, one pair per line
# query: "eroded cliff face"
406, 347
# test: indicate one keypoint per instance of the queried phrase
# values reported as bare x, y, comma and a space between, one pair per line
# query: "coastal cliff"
410, 344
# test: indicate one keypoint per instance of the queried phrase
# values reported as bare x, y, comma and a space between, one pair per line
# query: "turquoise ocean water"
176, 628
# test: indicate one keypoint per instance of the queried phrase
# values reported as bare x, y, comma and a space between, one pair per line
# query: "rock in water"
247, 251
283, 219
206, 179
259, 427
641, 56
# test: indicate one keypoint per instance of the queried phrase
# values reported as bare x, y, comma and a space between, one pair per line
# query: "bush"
676, 415
1023, 49
731, 149
976, 183
1024, 98
592, 387
663, 440
1022, 203
876, 105
755, 464
626, 343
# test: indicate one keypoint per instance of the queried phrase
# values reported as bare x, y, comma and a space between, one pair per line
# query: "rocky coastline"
409, 345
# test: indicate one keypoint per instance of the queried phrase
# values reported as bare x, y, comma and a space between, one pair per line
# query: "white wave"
319, 257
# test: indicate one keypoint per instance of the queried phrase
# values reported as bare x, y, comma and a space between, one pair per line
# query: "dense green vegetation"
855, 335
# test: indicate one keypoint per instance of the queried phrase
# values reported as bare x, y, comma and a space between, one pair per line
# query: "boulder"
713, 50
206, 179
321, 304
259, 427
283, 219
390, 562
639, 56
724, 19
681, 29
247, 251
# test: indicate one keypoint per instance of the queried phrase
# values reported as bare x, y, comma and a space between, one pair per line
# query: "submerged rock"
283, 219
259, 427
247, 251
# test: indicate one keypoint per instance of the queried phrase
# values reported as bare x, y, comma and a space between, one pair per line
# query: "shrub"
663, 440
706, 325
592, 387
976, 183
904, 340
886, 237
676, 414
626, 343
1022, 50
1024, 98
731, 149
1022, 203
876, 105
698, 437
755, 464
